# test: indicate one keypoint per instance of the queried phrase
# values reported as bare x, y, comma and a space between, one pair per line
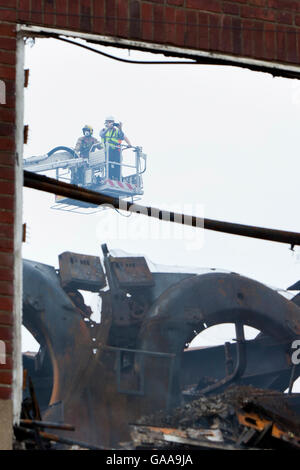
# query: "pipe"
50, 185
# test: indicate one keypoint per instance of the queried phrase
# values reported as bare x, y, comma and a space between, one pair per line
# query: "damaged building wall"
238, 28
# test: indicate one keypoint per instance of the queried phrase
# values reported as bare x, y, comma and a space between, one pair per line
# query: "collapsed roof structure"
103, 378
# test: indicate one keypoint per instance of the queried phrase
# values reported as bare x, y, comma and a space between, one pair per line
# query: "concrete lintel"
275, 68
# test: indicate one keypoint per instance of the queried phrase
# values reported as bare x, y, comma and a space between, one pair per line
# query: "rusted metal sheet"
131, 272
81, 272
264, 425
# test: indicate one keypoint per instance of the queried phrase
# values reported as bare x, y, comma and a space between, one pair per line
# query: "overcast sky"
222, 142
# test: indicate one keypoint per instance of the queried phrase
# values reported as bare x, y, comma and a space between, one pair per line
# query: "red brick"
192, 29
7, 72
290, 5
10, 101
6, 245
8, 362
135, 19
158, 1
281, 44
6, 274
6, 217
85, 15
6, 260
259, 3
180, 27
6, 288
122, 19
203, 40
258, 38
5, 393
36, 11
7, 173
7, 29
292, 52
247, 34
284, 17
49, 13
297, 20
6, 202
73, 15
7, 129
110, 17
7, 230
7, 143
7, 159
214, 32
61, 13
7, 115
7, 57
8, 44
24, 10
258, 13
270, 41
6, 303
298, 42
231, 8
7, 187
99, 16
236, 35
207, 5
8, 3
159, 32
5, 377
8, 15
5, 332
226, 34
170, 25
147, 21
178, 3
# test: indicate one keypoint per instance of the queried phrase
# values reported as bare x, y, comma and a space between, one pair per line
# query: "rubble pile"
240, 417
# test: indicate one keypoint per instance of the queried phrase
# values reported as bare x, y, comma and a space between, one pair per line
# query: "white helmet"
110, 118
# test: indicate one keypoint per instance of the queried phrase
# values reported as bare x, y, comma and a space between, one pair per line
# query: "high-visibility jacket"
113, 137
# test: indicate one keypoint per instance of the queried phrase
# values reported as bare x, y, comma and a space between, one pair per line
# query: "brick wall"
7, 199
260, 29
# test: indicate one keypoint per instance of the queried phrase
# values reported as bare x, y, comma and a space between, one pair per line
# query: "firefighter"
83, 147
85, 143
112, 135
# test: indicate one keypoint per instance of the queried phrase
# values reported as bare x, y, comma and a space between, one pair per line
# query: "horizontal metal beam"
50, 185
277, 69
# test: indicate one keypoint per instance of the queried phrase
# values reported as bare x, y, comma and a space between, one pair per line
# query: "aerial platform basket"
92, 173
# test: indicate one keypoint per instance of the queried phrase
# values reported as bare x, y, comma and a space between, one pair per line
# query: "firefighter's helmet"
88, 128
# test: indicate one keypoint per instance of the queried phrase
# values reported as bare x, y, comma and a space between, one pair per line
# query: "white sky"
221, 142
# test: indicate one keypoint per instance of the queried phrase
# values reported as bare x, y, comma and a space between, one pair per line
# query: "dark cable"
152, 62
